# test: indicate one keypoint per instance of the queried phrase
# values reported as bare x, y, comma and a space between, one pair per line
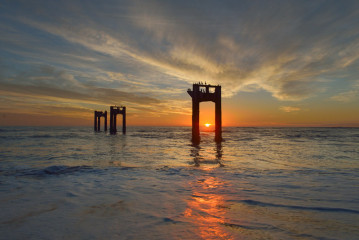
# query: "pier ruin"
97, 120
114, 110
202, 93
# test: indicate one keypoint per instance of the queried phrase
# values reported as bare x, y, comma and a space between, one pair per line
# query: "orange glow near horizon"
244, 116
206, 114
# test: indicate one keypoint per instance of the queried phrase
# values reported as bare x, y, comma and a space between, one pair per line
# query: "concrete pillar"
98, 123
105, 121
195, 115
218, 117
124, 120
95, 122
115, 122
111, 120
197, 98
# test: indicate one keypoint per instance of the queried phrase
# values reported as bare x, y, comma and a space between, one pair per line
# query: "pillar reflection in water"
202, 156
206, 209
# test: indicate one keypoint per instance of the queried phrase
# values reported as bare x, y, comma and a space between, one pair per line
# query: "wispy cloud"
289, 109
146, 53
47, 90
349, 95
242, 44
286, 54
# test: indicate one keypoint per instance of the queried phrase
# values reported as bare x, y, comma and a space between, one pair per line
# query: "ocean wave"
268, 227
52, 170
57, 136
40, 136
69, 135
250, 226
293, 136
11, 138
148, 135
296, 207
57, 170
169, 170
245, 139
328, 171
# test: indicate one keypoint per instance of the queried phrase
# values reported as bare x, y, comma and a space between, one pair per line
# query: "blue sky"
279, 62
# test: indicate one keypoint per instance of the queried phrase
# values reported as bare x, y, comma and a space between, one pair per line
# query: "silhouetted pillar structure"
114, 110
97, 121
203, 93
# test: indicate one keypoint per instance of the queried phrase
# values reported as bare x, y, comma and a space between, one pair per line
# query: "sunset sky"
280, 63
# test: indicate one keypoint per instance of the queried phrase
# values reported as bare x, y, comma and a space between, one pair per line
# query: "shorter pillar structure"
114, 110
97, 120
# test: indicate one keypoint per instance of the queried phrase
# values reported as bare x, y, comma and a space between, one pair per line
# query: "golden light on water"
206, 209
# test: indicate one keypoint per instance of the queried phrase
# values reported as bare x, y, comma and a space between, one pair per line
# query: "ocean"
152, 183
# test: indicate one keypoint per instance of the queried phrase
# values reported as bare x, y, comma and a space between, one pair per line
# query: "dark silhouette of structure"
97, 120
199, 159
114, 110
202, 93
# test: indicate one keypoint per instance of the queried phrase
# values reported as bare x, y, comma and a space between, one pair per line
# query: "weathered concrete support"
97, 121
105, 120
114, 110
111, 120
124, 121
218, 117
195, 115
202, 93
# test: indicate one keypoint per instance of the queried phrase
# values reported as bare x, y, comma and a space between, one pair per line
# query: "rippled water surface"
260, 183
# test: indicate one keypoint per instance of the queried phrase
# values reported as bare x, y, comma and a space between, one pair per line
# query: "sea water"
153, 183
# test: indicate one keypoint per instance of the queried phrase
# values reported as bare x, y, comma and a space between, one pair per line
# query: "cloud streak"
348, 96
49, 82
146, 53
286, 53
289, 109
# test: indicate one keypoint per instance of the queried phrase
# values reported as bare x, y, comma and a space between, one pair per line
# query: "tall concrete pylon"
203, 93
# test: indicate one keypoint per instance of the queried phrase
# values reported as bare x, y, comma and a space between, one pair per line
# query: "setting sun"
207, 124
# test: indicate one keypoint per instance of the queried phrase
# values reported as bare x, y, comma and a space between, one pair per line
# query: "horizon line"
241, 126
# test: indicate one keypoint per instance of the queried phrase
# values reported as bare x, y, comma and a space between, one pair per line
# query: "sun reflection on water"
207, 209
